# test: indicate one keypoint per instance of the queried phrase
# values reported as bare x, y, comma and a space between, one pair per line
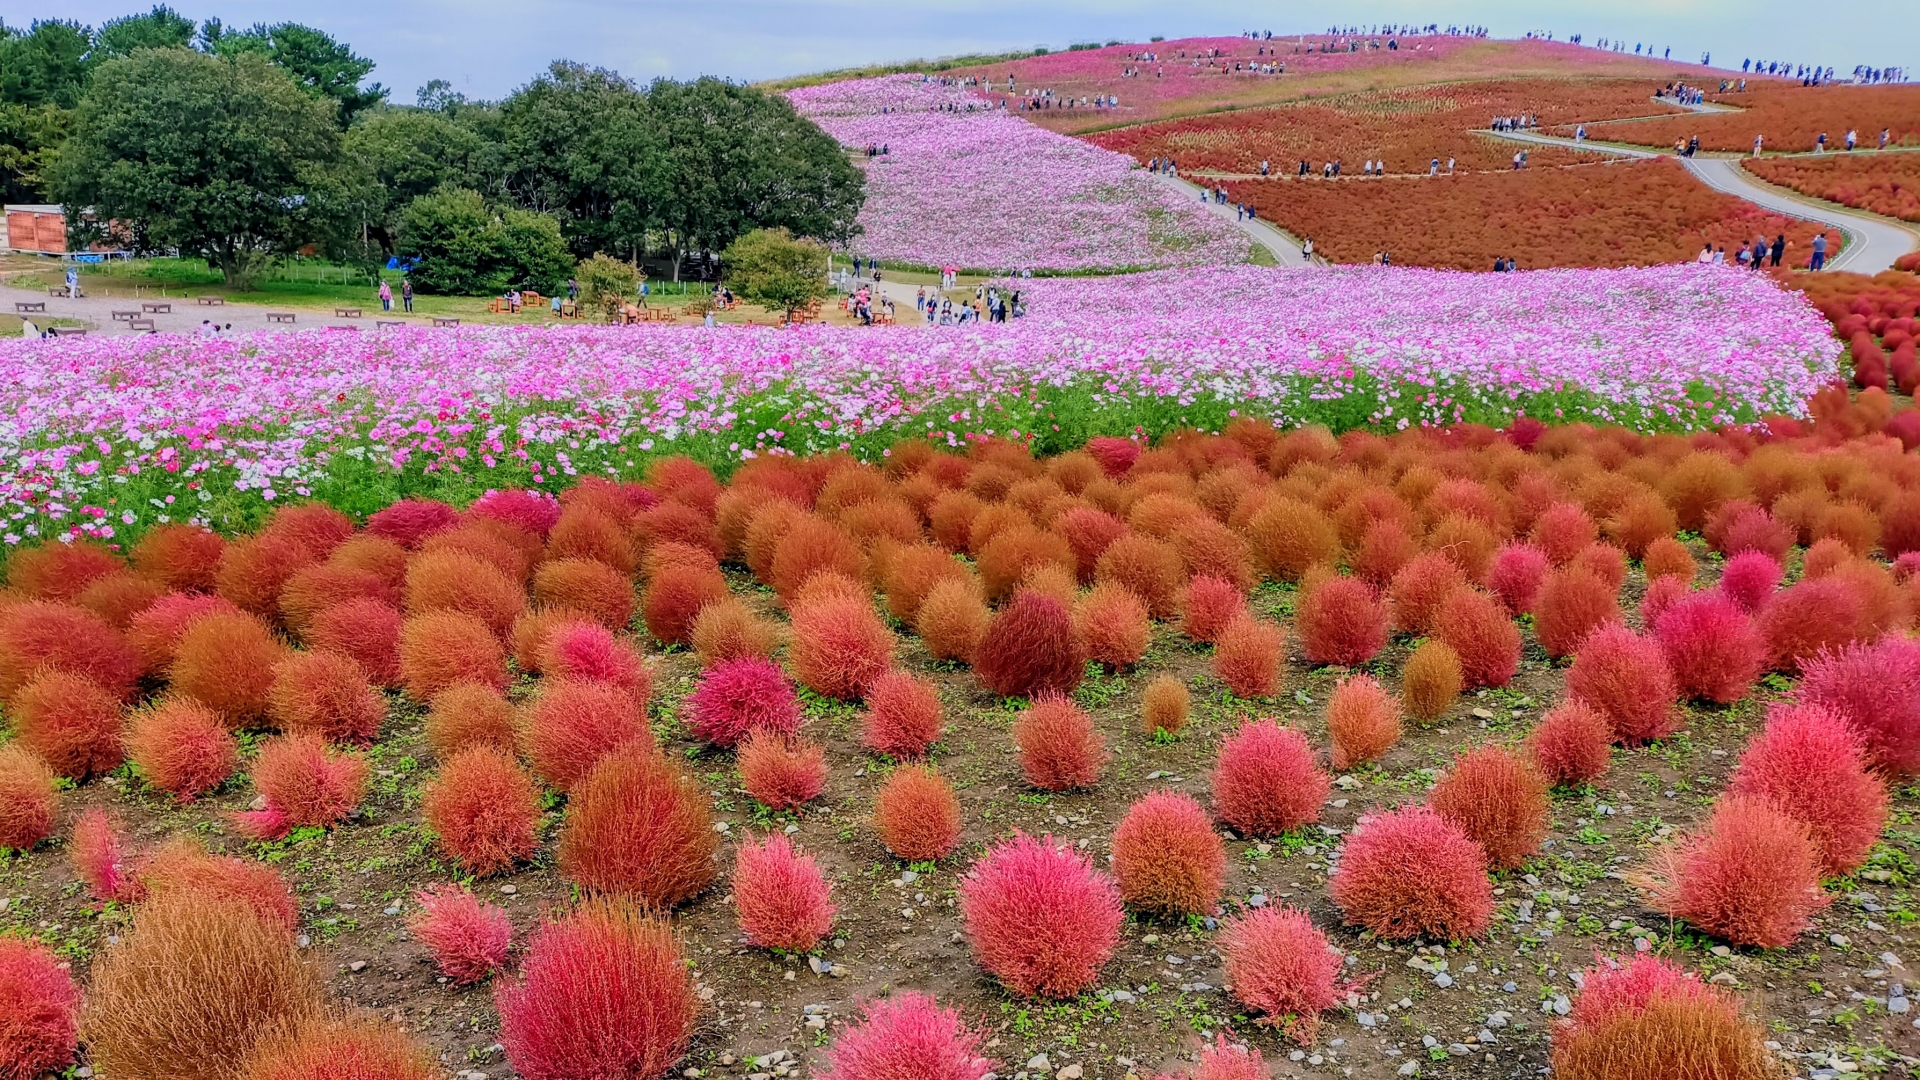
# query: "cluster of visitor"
988, 305
1504, 264
1522, 122
406, 295
1037, 100
1762, 253
877, 150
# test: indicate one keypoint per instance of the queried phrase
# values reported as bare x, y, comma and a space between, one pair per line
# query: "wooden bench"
156, 307
442, 320
213, 301
140, 324
346, 313
57, 290
125, 316
69, 331
381, 324
279, 316
26, 306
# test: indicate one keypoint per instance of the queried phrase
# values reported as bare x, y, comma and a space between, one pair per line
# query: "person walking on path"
1757, 140
1306, 249
386, 296
1852, 138
406, 295
1779, 249
1819, 251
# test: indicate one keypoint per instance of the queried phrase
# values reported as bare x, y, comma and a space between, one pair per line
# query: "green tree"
47, 65
606, 283
161, 28
463, 247
403, 154
326, 67
772, 268
224, 158
579, 144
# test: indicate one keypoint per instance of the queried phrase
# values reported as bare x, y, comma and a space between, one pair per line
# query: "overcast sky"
488, 47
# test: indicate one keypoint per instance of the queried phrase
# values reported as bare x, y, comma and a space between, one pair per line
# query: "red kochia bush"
98, 859
604, 993
38, 636
1875, 688
917, 814
444, 648
484, 808
1561, 531
639, 826
907, 1036
1712, 647
1249, 655
1167, 858
304, 783
117, 598
573, 724
736, 697
69, 721
781, 772
1572, 604
1750, 876
42, 1009
410, 521
226, 662
320, 586
1266, 781
674, 598
55, 571
1626, 678
182, 747
1810, 617
1420, 588
783, 899
1042, 919
467, 936
255, 569
589, 651
592, 588
326, 694
182, 868
1029, 648
28, 798
359, 1046
1572, 743
182, 557
1088, 532
1059, 748
1518, 573
1112, 626
155, 632
1280, 964
1662, 593
1808, 765
457, 582
1496, 797
1649, 1020
1208, 605
1482, 636
1363, 720
1341, 621
839, 646
1411, 873
366, 630
904, 716
1749, 579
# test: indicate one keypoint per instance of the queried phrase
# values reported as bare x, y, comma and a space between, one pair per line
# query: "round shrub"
1572, 604
1650, 1021
1280, 964
1572, 743
1029, 649
1432, 680
572, 725
444, 648
1385, 549
70, 722
907, 1034
1662, 594
1749, 579
584, 532
1088, 533
604, 992
183, 558
952, 620
1166, 857
1341, 621
1410, 873
728, 630
226, 662
182, 747
1561, 531
384, 559
56, 571
484, 809
1667, 557
1518, 573
1419, 589
304, 784
1875, 688
410, 521
1163, 705
117, 598
1363, 720
1111, 623
326, 694
1496, 797
1267, 781
1749, 876
467, 936
674, 597
366, 630
1812, 616
639, 826
1059, 748
1208, 605
1015, 551
736, 697
1042, 920
917, 814
1288, 537
470, 714
28, 798
255, 569
1249, 655
351, 1047
587, 586
1625, 677
1604, 561
587, 651
454, 581
813, 545
781, 772
1150, 568
1482, 636
783, 899
1807, 764
317, 526
155, 632
182, 868
1712, 647
318, 587
904, 716
41, 636
912, 572
42, 1006
839, 646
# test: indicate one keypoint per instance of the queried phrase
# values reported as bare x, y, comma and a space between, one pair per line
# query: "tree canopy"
771, 268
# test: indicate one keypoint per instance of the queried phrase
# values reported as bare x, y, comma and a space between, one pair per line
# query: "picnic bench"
156, 307
213, 301
279, 316
68, 331
140, 324
26, 306
125, 316
346, 313
58, 290
442, 320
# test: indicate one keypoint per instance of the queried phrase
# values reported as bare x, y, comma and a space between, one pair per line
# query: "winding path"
1873, 242
1285, 247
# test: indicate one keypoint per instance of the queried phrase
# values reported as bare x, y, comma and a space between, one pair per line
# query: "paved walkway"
96, 313
1872, 242
1285, 247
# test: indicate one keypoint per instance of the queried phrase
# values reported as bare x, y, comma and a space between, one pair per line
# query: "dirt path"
186, 314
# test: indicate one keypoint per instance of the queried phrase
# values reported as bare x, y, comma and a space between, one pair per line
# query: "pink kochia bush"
1342, 620
1267, 781
39, 1011
1518, 572
1625, 678
1875, 688
1749, 578
1572, 743
1711, 645
1410, 873
738, 696
782, 897
1808, 764
467, 936
1280, 964
99, 859
1750, 876
1224, 1061
1041, 918
907, 1036
1650, 1020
